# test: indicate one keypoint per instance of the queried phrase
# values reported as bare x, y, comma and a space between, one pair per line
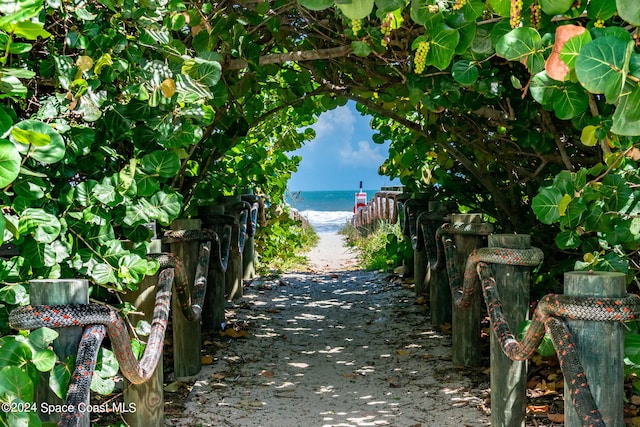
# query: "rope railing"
90, 316
190, 285
553, 315
450, 259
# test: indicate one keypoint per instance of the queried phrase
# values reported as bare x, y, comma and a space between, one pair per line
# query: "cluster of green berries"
515, 13
356, 25
577, 4
536, 14
459, 4
385, 29
599, 23
420, 58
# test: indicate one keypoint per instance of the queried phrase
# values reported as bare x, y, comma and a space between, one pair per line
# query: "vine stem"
613, 165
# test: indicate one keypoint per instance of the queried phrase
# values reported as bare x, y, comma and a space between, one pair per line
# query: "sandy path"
333, 348
330, 254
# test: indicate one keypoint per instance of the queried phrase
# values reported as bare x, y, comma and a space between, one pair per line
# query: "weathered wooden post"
400, 202
508, 377
414, 208
187, 341
249, 252
233, 277
375, 212
466, 321
212, 218
439, 291
147, 398
56, 292
600, 347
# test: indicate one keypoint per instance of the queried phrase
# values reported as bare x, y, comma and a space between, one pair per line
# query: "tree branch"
546, 119
302, 55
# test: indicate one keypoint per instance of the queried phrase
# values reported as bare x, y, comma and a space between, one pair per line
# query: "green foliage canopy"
120, 113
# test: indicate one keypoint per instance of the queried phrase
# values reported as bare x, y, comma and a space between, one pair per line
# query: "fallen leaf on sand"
206, 360
556, 418
402, 352
267, 374
173, 387
233, 333
538, 409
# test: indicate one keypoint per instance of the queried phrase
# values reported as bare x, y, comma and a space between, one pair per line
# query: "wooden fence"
228, 229
385, 205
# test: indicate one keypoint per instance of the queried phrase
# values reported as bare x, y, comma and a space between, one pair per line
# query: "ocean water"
327, 211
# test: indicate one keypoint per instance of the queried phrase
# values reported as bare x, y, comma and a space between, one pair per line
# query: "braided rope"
257, 206
220, 242
548, 317
177, 236
252, 221
436, 247
80, 382
413, 209
191, 300
241, 209
220, 238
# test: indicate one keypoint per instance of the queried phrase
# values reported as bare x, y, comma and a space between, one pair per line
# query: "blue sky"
341, 155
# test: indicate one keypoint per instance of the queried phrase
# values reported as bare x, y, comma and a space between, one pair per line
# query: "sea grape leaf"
316, 4
357, 9
546, 205
629, 10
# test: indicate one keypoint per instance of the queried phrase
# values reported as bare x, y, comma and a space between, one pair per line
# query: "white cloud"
335, 123
365, 154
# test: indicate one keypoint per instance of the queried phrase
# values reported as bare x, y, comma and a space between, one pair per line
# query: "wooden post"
186, 334
600, 347
56, 292
421, 273
401, 200
233, 276
146, 398
249, 252
466, 322
508, 377
439, 291
213, 218
414, 208
248, 258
